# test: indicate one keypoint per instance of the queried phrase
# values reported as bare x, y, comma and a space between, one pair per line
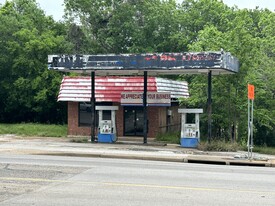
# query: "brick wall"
153, 121
157, 123
73, 128
119, 120
175, 120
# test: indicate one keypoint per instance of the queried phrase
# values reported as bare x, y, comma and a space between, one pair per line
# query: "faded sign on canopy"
158, 61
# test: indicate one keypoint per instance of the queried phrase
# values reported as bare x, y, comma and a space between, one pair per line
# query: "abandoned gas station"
115, 100
126, 94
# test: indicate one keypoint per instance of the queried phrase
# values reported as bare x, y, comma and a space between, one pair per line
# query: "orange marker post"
250, 95
251, 91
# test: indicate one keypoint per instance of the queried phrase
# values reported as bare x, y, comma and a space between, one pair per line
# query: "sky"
55, 7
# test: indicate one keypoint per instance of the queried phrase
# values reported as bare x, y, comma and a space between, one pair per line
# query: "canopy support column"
209, 106
93, 111
145, 122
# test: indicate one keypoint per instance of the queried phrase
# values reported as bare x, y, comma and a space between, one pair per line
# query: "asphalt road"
54, 180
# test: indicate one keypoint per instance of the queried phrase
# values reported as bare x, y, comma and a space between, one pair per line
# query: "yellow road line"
137, 185
187, 188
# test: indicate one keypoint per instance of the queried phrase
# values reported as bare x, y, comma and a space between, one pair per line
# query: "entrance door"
133, 121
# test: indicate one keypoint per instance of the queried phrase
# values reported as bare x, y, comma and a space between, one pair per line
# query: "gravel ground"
17, 179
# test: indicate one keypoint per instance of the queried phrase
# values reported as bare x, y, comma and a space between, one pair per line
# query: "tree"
249, 38
125, 26
27, 37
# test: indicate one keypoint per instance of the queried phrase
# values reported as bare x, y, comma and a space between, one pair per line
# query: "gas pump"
107, 128
190, 132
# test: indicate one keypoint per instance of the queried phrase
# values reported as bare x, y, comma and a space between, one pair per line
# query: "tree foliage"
28, 90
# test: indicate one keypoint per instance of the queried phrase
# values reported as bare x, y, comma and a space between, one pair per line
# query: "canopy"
155, 63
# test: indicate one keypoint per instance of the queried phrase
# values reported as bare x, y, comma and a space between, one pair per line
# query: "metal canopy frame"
156, 63
211, 63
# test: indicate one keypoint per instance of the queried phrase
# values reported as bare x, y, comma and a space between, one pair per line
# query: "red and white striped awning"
108, 89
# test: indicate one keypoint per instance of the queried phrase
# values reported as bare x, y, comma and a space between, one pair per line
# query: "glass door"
133, 121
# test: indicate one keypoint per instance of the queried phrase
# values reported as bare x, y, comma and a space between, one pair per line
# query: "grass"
264, 150
33, 129
219, 146
172, 138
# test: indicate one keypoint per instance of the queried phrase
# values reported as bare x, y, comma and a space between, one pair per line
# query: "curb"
188, 159
231, 161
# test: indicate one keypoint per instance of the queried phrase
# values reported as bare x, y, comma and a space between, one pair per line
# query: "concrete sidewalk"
127, 149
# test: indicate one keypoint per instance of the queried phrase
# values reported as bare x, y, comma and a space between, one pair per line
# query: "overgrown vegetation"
265, 150
215, 145
172, 138
28, 90
219, 145
31, 129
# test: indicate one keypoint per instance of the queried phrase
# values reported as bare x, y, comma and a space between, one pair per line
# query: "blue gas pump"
107, 128
190, 132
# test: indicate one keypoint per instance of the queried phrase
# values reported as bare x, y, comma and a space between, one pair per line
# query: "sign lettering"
153, 98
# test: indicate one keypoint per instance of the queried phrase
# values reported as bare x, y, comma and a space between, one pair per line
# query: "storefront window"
85, 114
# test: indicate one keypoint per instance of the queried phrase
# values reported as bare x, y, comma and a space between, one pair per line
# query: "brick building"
129, 118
